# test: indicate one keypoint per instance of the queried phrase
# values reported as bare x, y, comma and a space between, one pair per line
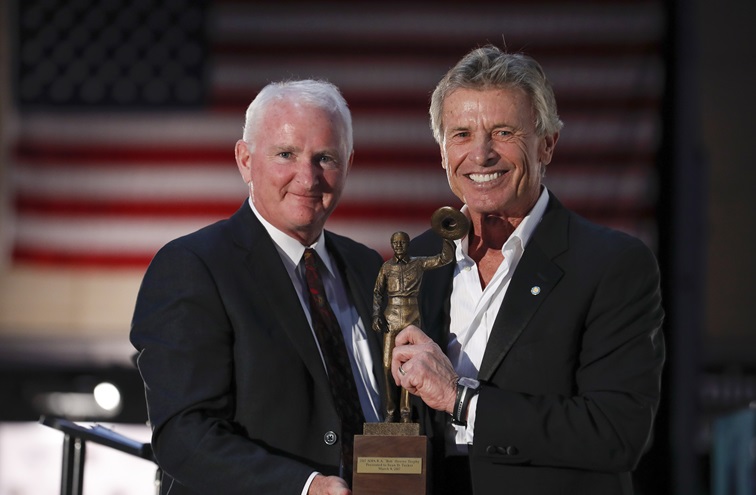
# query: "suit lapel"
534, 279
347, 262
267, 270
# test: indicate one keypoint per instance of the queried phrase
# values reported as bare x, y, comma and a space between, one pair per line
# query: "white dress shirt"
474, 310
352, 326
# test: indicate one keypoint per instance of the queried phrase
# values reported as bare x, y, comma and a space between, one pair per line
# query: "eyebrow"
328, 151
288, 147
495, 126
458, 128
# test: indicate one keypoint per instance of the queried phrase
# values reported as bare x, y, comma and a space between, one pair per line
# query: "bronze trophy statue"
392, 456
397, 287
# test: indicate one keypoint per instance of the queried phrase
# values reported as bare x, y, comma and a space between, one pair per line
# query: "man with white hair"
252, 333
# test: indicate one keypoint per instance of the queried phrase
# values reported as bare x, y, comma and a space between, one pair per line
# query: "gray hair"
316, 93
491, 68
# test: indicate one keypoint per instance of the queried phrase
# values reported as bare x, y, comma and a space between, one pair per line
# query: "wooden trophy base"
390, 459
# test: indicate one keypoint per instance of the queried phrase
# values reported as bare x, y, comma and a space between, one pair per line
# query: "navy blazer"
237, 394
572, 370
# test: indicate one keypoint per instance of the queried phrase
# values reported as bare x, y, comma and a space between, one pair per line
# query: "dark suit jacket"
237, 393
571, 373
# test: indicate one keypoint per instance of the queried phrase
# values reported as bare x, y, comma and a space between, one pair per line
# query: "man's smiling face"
491, 152
297, 163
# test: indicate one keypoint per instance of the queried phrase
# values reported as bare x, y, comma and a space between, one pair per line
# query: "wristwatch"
467, 388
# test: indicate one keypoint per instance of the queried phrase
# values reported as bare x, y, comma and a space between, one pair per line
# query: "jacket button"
491, 449
330, 438
512, 450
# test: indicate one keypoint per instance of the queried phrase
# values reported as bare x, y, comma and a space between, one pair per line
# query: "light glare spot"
107, 396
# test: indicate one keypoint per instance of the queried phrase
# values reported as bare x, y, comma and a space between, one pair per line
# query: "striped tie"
331, 340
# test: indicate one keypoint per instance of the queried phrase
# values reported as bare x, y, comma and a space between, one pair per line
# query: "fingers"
412, 335
403, 351
422, 368
328, 485
399, 357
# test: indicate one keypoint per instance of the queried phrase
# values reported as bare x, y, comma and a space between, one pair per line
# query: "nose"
308, 173
482, 150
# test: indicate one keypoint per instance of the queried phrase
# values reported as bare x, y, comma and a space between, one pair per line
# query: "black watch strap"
466, 390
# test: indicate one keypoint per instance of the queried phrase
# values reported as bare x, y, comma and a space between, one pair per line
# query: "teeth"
485, 177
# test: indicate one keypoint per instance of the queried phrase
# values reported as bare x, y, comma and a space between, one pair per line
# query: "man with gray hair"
253, 333
541, 352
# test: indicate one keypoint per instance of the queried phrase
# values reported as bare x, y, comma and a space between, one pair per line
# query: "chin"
482, 204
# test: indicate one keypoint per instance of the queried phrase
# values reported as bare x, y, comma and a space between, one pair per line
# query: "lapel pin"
535, 290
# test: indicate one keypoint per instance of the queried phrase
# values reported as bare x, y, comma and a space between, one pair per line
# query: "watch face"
469, 382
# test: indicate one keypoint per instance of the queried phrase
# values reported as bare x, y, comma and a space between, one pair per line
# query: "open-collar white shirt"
474, 310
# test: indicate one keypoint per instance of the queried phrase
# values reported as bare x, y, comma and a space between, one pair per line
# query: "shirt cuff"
309, 482
471, 410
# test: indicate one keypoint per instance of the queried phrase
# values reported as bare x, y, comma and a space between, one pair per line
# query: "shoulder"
596, 250
563, 229
426, 244
593, 237
217, 239
349, 246
353, 252
200, 241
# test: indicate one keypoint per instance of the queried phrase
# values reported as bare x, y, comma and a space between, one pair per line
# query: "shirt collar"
290, 247
521, 234
525, 230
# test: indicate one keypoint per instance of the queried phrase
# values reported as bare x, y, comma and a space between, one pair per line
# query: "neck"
306, 239
489, 233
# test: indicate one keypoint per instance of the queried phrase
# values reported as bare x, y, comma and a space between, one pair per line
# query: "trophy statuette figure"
395, 297
391, 456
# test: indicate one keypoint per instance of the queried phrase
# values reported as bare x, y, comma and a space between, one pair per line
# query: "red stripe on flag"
88, 259
145, 208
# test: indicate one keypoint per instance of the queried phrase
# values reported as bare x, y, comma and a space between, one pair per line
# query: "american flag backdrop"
124, 114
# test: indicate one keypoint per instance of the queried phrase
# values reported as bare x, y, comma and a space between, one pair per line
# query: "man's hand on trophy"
425, 370
328, 485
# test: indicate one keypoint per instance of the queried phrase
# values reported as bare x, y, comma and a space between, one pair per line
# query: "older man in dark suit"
253, 333
542, 354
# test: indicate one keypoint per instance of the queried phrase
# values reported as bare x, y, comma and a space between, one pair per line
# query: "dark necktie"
334, 351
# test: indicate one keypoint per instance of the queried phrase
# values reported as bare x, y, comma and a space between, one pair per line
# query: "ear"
548, 143
443, 156
243, 160
349, 162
